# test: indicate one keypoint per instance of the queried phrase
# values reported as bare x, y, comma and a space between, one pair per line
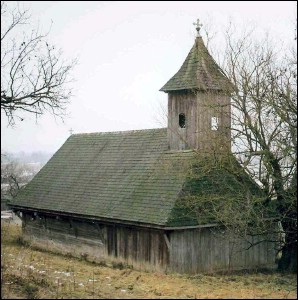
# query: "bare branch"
34, 77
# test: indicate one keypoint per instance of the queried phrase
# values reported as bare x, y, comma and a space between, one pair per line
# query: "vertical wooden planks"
210, 249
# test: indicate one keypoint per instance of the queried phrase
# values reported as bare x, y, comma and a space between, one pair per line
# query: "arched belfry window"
182, 120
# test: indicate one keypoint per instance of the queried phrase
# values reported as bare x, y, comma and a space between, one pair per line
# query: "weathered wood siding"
183, 251
144, 249
210, 249
199, 108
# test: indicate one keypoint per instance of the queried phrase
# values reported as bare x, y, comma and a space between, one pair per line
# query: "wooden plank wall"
199, 108
210, 249
143, 249
182, 138
190, 251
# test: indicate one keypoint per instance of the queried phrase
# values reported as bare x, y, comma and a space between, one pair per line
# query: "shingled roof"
199, 72
128, 176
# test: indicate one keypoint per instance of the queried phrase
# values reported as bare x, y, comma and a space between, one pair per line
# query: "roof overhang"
107, 221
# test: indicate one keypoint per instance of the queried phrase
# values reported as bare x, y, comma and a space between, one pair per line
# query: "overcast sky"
126, 52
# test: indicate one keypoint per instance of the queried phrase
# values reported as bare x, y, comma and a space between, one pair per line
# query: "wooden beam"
167, 240
99, 230
191, 227
117, 222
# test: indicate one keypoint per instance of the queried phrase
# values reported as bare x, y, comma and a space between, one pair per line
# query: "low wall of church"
189, 251
212, 249
142, 249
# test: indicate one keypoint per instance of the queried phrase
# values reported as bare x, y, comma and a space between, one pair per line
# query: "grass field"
32, 274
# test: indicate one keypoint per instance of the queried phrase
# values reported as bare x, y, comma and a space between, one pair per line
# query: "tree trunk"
288, 261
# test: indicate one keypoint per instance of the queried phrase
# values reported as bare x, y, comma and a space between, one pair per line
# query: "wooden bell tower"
199, 108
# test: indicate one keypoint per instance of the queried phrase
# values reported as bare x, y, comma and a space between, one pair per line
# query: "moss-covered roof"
119, 175
199, 72
128, 176
215, 190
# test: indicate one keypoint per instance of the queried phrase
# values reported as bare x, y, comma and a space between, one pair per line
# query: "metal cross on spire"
198, 26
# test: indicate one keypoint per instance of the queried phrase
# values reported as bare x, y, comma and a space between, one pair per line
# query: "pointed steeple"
199, 103
199, 72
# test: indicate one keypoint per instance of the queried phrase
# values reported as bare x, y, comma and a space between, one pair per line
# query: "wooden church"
114, 196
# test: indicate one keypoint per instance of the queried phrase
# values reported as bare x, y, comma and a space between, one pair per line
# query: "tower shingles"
199, 72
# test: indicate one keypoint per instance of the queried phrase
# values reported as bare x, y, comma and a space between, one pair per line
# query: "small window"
182, 120
214, 123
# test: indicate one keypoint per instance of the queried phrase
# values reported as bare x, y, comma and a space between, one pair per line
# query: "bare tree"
34, 77
250, 189
265, 126
14, 176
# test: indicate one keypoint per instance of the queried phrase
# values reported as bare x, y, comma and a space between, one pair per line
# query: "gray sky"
126, 52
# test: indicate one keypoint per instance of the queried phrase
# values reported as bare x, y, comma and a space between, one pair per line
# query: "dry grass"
32, 274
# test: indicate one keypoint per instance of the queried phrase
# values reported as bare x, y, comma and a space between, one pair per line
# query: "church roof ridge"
119, 132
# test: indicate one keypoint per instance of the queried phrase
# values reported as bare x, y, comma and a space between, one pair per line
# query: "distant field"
32, 274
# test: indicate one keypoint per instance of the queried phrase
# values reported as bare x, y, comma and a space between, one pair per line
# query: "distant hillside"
29, 157
17, 169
